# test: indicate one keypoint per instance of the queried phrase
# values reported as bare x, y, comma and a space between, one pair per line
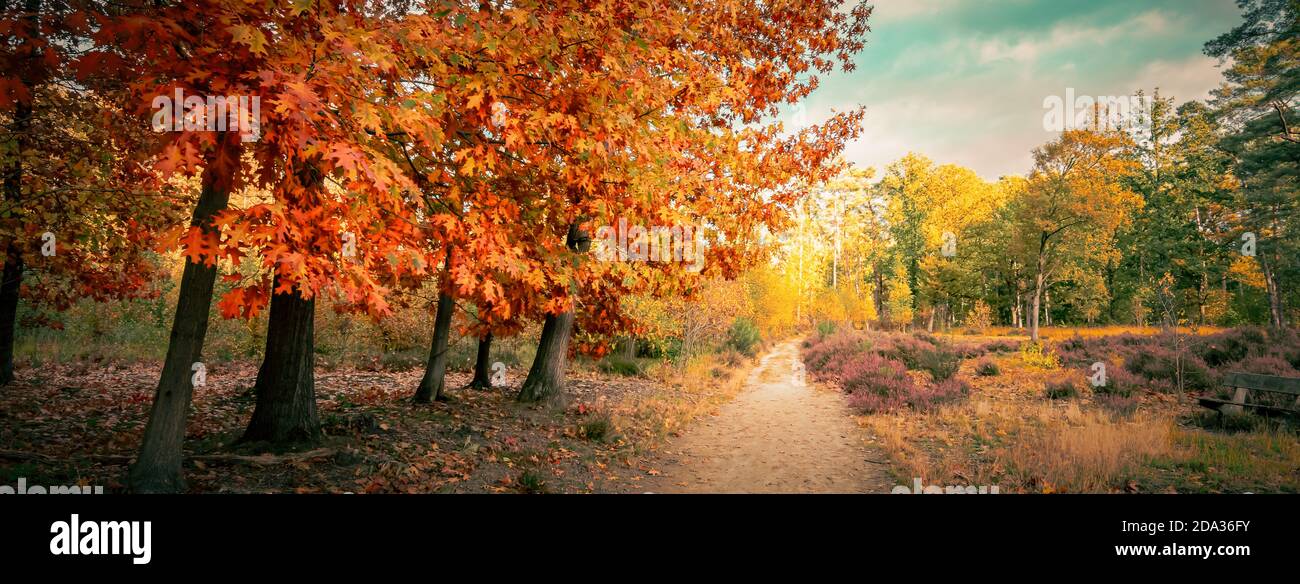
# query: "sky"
963, 81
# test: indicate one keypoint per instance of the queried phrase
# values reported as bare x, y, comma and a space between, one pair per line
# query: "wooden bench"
1287, 388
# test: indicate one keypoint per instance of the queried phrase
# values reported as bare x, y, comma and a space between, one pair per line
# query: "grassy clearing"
1010, 433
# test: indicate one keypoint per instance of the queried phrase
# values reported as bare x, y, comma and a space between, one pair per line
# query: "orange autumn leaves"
488, 129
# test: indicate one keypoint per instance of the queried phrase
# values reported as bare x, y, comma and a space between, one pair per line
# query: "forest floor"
780, 435
81, 423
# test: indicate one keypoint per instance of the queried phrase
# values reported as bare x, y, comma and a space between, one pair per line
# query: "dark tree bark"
20, 128
158, 468
9, 290
483, 364
435, 370
1276, 313
285, 413
545, 382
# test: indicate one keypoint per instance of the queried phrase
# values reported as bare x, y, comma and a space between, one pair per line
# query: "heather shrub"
943, 392
870, 402
1159, 363
1132, 340
876, 384
1076, 351
1267, 365
1001, 347
1119, 405
969, 350
941, 364
1228, 347
1062, 389
828, 355
987, 368
873, 373
1119, 382
907, 348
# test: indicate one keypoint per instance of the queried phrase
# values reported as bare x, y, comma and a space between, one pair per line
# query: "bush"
941, 364
615, 365
870, 403
1038, 355
744, 336
1119, 382
825, 328
1119, 405
826, 357
730, 357
980, 317
947, 391
987, 368
872, 373
1063, 389
1000, 347
596, 429
1267, 365
879, 384
876, 384
531, 482
1159, 363
906, 348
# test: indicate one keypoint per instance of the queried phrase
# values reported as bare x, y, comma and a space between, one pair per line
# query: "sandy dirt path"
780, 435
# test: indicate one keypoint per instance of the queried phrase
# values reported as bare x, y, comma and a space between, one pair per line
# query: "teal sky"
963, 81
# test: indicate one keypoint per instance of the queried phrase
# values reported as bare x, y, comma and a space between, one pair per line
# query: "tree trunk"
545, 382
435, 371
878, 291
1036, 303
13, 267
285, 413
9, 290
483, 364
158, 468
1276, 315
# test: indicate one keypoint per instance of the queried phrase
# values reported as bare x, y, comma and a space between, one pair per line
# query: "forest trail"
780, 435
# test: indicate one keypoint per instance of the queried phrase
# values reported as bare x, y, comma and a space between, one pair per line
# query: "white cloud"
1028, 48
1185, 80
899, 10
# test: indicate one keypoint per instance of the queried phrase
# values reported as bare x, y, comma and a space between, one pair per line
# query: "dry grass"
692, 390
1088, 452
1008, 434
